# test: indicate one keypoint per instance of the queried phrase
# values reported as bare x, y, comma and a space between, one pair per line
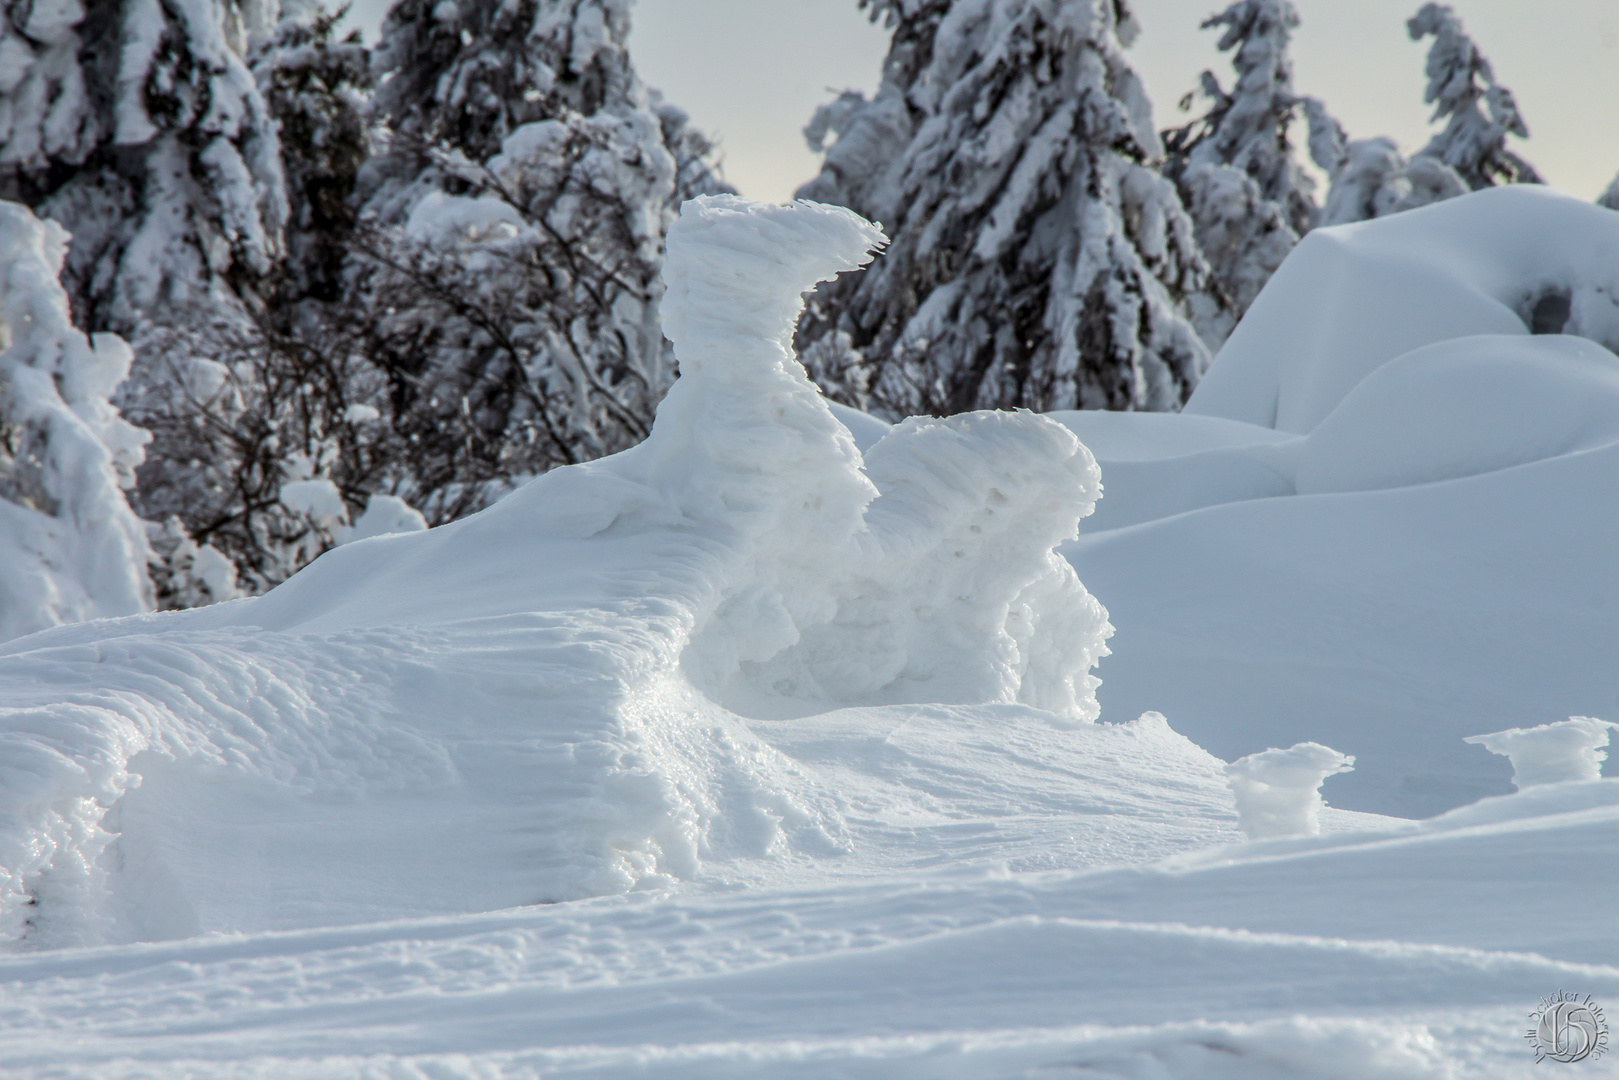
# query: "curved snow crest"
1509, 260
540, 701
924, 571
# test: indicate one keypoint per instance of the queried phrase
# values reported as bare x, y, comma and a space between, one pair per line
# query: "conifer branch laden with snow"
137, 125
1461, 87
1038, 258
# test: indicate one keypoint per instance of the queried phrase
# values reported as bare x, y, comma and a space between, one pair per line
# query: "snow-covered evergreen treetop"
1248, 127
70, 547
1234, 166
1461, 86
137, 125
467, 73
1038, 259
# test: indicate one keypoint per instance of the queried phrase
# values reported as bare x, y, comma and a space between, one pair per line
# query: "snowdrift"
566, 676
1385, 521
793, 709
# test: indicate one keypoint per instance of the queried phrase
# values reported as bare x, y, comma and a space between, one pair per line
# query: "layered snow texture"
1412, 951
1278, 792
570, 693
566, 674
70, 547
1569, 751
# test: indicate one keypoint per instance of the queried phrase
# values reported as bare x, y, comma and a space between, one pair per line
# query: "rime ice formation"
560, 674
1278, 792
70, 547
1567, 751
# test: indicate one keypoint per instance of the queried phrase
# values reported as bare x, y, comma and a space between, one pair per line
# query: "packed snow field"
775, 746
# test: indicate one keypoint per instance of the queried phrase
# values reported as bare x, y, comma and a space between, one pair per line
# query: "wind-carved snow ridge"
925, 572
540, 702
1568, 751
1278, 792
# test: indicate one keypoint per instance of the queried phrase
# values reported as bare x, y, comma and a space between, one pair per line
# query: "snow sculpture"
70, 547
1278, 792
924, 571
1506, 260
1567, 751
543, 676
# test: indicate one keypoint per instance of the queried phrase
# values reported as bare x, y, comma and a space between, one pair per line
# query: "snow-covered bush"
70, 547
508, 259
1037, 257
1567, 751
1278, 792
284, 438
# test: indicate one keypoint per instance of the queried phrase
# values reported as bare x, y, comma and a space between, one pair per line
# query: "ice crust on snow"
1569, 751
1278, 792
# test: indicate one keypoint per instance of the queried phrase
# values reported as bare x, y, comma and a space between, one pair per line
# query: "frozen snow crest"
923, 572
1567, 751
1279, 791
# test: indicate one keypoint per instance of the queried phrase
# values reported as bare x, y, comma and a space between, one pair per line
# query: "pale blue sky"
752, 71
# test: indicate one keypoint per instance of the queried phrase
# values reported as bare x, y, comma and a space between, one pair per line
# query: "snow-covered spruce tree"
1038, 259
513, 238
136, 124
70, 547
279, 413
315, 86
1370, 177
1234, 165
1461, 86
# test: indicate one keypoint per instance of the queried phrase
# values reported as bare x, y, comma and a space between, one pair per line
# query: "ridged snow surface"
763, 749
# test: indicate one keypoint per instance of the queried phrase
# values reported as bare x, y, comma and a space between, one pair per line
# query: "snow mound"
1569, 751
1278, 792
559, 677
1507, 260
1463, 407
